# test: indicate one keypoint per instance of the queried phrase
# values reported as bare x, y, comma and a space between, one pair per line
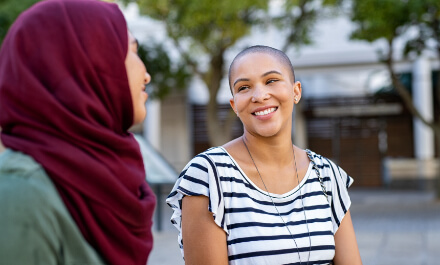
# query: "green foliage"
206, 29
426, 17
299, 18
378, 19
209, 25
209, 28
166, 76
9, 11
391, 19
201, 28
388, 19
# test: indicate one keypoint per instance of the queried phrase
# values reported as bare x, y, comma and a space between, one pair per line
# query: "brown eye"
242, 88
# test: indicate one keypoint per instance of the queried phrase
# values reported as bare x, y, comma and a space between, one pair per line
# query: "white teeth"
264, 112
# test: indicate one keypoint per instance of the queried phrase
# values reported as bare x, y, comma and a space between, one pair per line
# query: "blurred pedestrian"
72, 181
259, 199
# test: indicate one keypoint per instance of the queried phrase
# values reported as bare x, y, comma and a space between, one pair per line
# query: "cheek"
140, 67
286, 95
135, 69
240, 106
129, 69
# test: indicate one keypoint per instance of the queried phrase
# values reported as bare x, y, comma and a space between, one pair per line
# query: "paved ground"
392, 228
397, 227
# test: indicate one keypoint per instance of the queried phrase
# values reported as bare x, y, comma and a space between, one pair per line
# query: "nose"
147, 78
260, 93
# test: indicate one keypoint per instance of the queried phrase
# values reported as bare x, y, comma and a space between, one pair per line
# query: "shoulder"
30, 208
214, 153
322, 162
330, 170
318, 159
206, 174
34, 220
28, 198
210, 158
25, 183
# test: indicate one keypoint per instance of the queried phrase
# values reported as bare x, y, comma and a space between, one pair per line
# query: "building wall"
175, 131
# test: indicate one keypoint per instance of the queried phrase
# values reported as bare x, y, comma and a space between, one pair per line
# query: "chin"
139, 118
270, 132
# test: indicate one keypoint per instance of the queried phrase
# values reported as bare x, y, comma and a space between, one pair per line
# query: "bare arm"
204, 242
347, 251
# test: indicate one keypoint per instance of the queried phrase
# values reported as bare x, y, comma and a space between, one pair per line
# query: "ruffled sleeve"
337, 188
198, 178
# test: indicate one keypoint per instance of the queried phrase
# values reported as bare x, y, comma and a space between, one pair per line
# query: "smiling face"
138, 77
263, 94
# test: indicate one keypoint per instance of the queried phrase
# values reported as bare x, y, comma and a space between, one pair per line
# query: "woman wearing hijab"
72, 181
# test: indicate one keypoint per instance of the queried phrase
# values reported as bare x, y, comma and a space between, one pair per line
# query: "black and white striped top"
255, 232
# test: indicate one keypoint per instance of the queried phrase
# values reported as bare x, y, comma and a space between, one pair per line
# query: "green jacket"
35, 226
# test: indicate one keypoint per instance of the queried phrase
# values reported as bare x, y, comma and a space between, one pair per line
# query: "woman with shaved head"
259, 199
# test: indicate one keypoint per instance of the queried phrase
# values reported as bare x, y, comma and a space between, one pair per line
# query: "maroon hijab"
65, 101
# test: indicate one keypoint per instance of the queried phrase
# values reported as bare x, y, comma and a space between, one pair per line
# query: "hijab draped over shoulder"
65, 101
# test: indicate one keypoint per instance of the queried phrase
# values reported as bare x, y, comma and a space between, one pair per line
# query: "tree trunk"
218, 132
407, 99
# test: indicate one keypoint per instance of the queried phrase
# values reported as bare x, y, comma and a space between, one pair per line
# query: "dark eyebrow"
263, 75
240, 79
271, 72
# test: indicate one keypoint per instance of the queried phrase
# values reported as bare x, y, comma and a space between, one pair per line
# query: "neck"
274, 150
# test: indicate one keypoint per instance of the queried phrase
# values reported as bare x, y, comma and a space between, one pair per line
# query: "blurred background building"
349, 111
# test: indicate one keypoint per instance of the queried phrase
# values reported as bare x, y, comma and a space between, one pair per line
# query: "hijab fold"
65, 101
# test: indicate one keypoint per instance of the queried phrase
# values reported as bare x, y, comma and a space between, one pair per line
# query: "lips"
264, 111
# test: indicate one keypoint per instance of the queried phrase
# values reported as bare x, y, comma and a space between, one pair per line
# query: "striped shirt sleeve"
198, 178
338, 186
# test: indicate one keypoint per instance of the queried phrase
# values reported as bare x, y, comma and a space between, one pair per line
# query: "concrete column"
299, 129
423, 101
152, 123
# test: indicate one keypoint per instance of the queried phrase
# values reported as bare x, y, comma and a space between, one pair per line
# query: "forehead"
257, 63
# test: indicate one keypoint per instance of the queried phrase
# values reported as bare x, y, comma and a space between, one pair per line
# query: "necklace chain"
268, 194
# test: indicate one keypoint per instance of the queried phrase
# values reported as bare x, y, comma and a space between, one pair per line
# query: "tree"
9, 11
391, 20
203, 30
168, 76
300, 17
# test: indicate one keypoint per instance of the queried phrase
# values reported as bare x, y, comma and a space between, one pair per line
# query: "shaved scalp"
281, 56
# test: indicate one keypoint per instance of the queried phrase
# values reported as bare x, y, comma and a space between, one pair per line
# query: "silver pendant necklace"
268, 194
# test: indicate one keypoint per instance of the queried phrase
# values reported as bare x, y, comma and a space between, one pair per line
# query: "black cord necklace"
268, 194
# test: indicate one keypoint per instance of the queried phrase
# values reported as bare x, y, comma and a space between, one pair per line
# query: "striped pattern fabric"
255, 232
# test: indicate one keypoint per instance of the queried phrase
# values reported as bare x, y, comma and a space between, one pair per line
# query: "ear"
297, 90
232, 103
